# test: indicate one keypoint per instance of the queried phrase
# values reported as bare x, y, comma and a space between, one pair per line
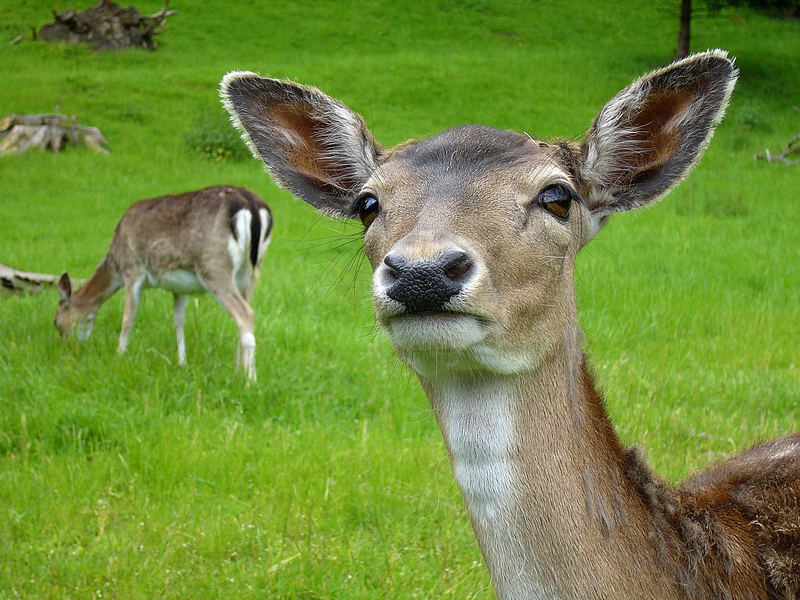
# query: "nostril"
395, 262
396, 265
455, 264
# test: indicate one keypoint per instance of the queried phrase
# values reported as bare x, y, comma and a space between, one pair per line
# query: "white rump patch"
239, 245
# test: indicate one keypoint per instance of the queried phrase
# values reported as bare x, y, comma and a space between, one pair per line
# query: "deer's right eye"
368, 208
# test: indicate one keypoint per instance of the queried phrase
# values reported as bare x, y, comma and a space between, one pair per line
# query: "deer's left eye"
368, 208
556, 199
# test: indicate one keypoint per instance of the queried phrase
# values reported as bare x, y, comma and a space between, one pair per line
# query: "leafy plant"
216, 139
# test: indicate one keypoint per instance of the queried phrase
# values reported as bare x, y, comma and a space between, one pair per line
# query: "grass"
128, 477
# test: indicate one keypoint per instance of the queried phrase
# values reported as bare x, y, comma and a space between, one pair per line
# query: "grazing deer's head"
67, 317
472, 234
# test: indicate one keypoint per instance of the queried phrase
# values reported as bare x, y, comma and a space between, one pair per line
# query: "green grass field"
131, 477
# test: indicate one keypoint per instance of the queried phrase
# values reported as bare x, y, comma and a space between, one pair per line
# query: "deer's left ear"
651, 134
64, 288
313, 145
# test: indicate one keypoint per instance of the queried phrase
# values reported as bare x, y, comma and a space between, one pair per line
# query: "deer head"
66, 318
472, 234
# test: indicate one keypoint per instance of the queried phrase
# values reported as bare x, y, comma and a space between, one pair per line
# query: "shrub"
215, 137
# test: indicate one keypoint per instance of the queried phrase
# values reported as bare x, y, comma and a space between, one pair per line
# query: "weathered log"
9, 121
16, 282
49, 131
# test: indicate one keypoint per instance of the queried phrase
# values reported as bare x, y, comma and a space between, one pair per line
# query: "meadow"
132, 477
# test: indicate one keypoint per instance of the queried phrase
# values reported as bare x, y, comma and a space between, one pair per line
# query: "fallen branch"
16, 282
787, 154
158, 18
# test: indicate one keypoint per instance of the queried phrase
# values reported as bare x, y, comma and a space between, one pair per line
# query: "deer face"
472, 234
68, 317
448, 286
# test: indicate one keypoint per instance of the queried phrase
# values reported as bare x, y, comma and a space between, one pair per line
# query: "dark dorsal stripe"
255, 226
248, 201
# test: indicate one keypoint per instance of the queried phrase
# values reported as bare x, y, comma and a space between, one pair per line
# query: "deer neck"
100, 286
544, 480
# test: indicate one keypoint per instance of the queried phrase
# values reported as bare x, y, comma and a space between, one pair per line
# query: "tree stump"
49, 131
107, 26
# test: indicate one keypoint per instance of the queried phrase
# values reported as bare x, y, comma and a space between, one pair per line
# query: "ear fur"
64, 288
312, 145
652, 133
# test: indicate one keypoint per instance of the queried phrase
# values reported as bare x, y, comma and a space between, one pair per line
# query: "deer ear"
313, 145
651, 134
64, 288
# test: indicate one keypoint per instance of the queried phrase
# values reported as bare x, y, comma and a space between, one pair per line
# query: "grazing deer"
211, 240
472, 236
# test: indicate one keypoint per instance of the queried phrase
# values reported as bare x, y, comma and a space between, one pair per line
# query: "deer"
472, 236
211, 240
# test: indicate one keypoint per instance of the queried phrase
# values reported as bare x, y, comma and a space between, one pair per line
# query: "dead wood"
49, 131
16, 282
107, 26
790, 150
789, 155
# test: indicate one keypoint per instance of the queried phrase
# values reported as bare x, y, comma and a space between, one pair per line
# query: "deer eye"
556, 199
368, 208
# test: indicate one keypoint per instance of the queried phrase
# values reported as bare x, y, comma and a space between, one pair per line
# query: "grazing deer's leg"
232, 300
247, 289
243, 315
179, 316
133, 293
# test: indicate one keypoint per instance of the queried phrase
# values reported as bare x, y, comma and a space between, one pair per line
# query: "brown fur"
560, 509
188, 234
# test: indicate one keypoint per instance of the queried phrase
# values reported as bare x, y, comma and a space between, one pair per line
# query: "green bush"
216, 139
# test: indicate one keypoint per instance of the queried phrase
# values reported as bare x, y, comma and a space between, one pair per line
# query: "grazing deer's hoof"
246, 355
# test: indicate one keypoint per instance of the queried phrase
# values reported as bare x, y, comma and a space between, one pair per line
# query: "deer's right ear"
64, 288
313, 145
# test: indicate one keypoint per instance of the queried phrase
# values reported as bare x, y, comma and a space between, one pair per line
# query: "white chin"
436, 332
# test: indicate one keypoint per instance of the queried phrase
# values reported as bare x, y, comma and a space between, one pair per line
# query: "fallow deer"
211, 240
472, 235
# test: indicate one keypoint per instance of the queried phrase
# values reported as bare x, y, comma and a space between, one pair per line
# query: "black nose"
426, 286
